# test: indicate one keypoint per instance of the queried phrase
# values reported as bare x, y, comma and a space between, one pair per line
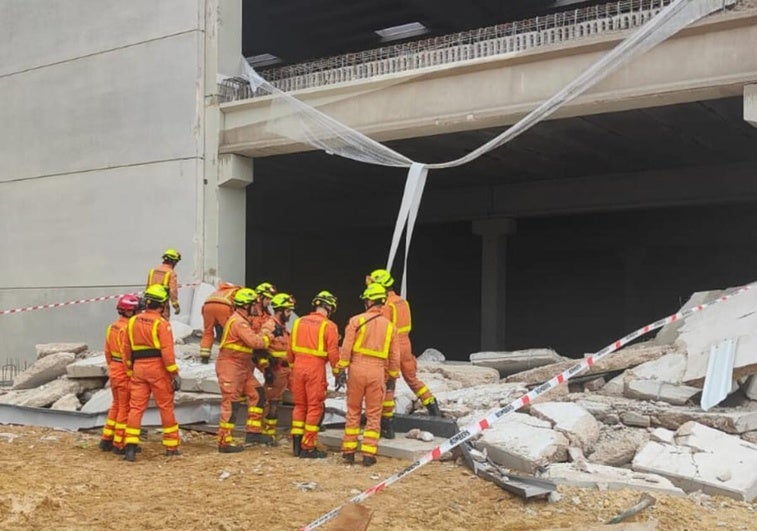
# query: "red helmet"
127, 303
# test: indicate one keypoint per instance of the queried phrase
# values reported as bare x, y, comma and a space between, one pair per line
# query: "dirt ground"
58, 479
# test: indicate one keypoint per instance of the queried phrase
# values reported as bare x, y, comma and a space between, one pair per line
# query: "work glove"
268, 375
204, 360
278, 331
341, 380
391, 383
176, 308
176, 383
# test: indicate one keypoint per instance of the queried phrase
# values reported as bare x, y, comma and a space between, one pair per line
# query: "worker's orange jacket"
314, 336
115, 338
239, 338
223, 295
166, 277
397, 310
372, 335
279, 345
149, 336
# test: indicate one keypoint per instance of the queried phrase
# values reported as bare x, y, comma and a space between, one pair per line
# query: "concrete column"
493, 234
750, 104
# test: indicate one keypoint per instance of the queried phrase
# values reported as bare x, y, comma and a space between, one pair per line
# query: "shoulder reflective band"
401, 329
230, 345
164, 280
384, 352
155, 340
299, 349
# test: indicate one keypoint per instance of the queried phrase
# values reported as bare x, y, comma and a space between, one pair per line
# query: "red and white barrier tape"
80, 301
478, 427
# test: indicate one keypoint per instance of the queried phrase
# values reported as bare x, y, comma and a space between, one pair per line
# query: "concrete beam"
750, 104
497, 91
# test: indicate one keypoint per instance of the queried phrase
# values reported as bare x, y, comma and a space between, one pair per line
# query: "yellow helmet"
245, 296
156, 292
172, 254
266, 289
380, 276
282, 301
374, 292
325, 298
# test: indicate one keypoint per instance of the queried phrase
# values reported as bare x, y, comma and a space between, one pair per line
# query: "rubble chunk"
516, 361
677, 395
43, 370
50, 392
571, 419
618, 447
45, 349
431, 354
67, 402
466, 374
610, 477
632, 418
93, 366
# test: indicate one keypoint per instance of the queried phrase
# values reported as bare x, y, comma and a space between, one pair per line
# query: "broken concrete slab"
47, 394
45, 349
431, 354
93, 366
735, 319
662, 435
617, 447
614, 387
608, 477
67, 402
515, 361
399, 448
100, 402
180, 330
704, 459
621, 360
466, 374
749, 387
571, 419
750, 436
198, 377
43, 370
525, 443
461, 403
632, 418
677, 395
669, 333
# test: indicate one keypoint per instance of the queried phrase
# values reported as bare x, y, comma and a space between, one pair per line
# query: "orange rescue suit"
371, 351
115, 424
164, 275
216, 310
314, 341
235, 378
277, 350
149, 355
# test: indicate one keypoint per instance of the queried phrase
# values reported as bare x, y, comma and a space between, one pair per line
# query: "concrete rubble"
631, 421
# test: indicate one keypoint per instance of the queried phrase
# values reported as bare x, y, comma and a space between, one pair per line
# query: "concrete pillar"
493, 234
224, 201
750, 104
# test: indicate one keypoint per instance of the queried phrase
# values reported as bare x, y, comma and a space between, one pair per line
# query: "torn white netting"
302, 123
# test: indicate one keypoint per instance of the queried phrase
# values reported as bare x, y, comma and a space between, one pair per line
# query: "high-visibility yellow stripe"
422, 391
402, 329
278, 353
352, 431
171, 429
349, 445
299, 349
427, 401
120, 425
371, 434
388, 403
227, 425
170, 442
254, 409
368, 449
358, 347
132, 440
255, 423
298, 423
312, 427
172, 368
108, 432
297, 431
133, 431
393, 374
110, 422
154, 333
233, 346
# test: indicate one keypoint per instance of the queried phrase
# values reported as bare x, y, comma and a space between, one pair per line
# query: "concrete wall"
101, 157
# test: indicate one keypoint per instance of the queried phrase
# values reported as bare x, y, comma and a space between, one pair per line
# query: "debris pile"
634, 420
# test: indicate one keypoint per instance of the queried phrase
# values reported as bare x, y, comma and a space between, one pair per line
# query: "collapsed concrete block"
43, 370
614, 387
99, 403
399, 448
571, 419
618, 447
662, 435
749, 387
466, 374
632, 418
516, 361
524, 443
45, 349
199, 378
462, 402
93, 366
677, 395
431, 354
596, 476
704, 459
47, 394
67, 402
180, 330
669, 333
750, 436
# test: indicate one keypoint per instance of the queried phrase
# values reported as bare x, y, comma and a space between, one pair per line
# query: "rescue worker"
115, 337
397, 310
216, 310
314, 342
234, 368
150, 361
265, 291
278, 380
165, 276
371, 351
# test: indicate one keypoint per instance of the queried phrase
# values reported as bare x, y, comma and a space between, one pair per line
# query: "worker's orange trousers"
273, 394
237, 383
213, 313
115, 425
308, 384
409, 369
366, 381
151, 377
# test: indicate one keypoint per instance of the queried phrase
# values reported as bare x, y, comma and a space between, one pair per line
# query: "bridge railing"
502, 39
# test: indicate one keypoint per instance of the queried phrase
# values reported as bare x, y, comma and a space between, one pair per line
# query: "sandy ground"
57, 479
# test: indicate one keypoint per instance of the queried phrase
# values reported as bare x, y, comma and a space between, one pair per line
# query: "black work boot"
130, 452
296, 445
119, 451
105, 445
258, 438
349, 459
230, 449
173, 453
433, 408
315, 453
387, 427
369, 460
